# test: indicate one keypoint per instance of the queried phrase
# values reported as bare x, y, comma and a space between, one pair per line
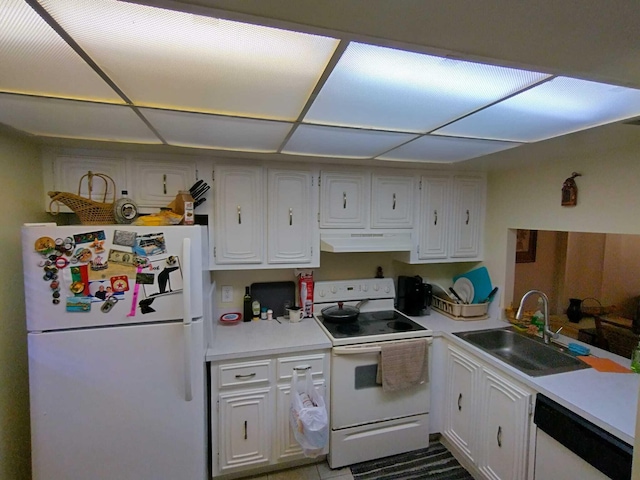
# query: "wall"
22, 176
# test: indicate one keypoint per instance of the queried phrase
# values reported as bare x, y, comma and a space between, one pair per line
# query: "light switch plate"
227, 294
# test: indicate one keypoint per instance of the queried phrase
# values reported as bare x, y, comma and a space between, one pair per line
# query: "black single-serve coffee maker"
414, 296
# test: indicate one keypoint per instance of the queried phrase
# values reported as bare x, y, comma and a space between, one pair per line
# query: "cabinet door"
392, 201
434, 218
156, 184
461, 399
68, 170
286, 446
344, 200
239, 211
468, 216
291, 223
504, 428
243, 433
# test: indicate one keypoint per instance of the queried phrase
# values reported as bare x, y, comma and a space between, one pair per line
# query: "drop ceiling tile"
35, 60
384, 88
342, 142
175, 60
213, 131
558, 107
74, 119
435, 149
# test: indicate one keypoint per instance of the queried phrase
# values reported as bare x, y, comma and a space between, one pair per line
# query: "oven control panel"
353, 290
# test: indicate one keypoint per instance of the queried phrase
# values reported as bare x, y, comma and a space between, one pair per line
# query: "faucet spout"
547, 334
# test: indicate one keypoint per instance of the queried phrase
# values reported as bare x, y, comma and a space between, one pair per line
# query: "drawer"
287, 364
246, 373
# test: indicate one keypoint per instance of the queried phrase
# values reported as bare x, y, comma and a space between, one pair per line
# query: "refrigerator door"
87, 276
110, 403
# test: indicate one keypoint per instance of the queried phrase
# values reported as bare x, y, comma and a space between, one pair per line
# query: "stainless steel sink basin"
528, 354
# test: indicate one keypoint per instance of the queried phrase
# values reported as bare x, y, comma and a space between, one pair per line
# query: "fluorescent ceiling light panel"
342, 142
74, 119
175, 60
35, 60
434, 149
558, 107
211, 131
388, 89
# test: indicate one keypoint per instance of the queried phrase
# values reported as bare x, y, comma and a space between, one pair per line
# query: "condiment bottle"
247, 309
184, 206
635, 359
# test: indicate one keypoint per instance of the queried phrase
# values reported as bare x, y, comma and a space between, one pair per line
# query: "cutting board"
273, 295
481, 283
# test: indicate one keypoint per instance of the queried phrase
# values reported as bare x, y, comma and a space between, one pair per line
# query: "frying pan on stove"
341, 313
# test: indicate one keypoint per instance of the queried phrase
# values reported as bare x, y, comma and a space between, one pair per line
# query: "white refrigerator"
116, 351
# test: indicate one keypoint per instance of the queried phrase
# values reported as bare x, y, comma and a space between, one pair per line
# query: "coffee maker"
414, 296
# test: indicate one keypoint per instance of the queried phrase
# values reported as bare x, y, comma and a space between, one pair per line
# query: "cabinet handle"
245, 429
394, 202
467, 222
435, 217
164, 183
291, 216
239, 215
344, 199
248, 375
460, 402
499, 436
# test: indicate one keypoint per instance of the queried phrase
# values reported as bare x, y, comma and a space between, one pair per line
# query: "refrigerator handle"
186, 322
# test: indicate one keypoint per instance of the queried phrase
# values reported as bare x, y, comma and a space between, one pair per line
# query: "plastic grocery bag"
308, 416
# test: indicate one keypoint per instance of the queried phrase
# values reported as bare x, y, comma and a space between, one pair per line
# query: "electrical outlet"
227, 294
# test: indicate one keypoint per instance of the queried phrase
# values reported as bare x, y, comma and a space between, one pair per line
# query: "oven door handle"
367, 348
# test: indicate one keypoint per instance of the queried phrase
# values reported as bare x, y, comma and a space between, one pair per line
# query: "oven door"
357, 399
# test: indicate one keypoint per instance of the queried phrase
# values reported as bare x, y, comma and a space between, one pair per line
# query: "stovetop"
380, 323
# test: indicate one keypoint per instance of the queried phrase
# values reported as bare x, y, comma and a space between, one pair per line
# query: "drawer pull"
467, 222
394, 202
164, 183
245, 429
303, 368
344, 199
248, 375
435, 217
239, 215
460, 402
499, 436
291, 216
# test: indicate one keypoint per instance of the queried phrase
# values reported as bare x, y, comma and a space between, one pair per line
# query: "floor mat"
435, 462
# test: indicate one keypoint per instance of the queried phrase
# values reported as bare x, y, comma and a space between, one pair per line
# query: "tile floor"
318, 471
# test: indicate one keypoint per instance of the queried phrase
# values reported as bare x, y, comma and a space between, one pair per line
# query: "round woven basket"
89, 211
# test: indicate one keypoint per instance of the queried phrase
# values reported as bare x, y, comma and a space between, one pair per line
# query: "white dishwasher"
568, 446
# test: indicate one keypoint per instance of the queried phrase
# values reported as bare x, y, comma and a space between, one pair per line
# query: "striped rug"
435, 462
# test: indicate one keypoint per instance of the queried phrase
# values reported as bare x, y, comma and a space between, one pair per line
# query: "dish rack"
459, 311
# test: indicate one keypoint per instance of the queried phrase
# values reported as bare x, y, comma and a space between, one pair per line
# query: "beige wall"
21, 201
529, 197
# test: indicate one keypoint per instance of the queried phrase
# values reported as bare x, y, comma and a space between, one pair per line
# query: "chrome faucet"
547, 334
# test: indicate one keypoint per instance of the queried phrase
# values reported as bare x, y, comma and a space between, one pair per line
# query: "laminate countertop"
608, 400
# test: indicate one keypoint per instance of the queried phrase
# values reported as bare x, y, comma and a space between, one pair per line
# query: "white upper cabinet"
69, 169
156, 184
264, 218
392, 201
434, 220
239, 215
344, 199
291, 222
468, 217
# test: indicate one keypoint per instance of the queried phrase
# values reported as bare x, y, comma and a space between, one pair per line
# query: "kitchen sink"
528, 354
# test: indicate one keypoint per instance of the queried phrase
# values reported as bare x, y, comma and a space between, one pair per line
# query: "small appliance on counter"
414, 296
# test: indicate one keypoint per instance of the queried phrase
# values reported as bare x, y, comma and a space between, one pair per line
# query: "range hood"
365, 242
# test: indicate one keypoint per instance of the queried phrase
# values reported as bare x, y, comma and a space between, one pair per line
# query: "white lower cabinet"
250, 417
487, 418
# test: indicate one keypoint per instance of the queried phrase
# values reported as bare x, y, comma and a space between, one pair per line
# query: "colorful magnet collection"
86, 271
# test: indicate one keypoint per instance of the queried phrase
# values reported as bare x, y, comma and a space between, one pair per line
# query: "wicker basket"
457, 311
89, 211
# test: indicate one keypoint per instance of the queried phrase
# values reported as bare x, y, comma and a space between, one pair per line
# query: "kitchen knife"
455, 294
199, 202
490, 296
195, 186
200, 191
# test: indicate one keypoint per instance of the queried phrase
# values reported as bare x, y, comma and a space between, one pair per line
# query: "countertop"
609, 400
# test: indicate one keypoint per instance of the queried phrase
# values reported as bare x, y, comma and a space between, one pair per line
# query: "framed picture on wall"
526, 246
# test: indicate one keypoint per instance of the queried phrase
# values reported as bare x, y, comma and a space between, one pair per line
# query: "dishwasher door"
568, 446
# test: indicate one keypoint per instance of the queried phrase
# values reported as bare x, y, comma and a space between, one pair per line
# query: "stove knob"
376, 287
334, 290
365, 288
321, 293
387, 290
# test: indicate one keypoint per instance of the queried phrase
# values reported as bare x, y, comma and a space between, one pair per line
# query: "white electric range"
367, 422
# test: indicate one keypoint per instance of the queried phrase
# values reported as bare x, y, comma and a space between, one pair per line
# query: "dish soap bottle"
635, 359
538, 317
247, 309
